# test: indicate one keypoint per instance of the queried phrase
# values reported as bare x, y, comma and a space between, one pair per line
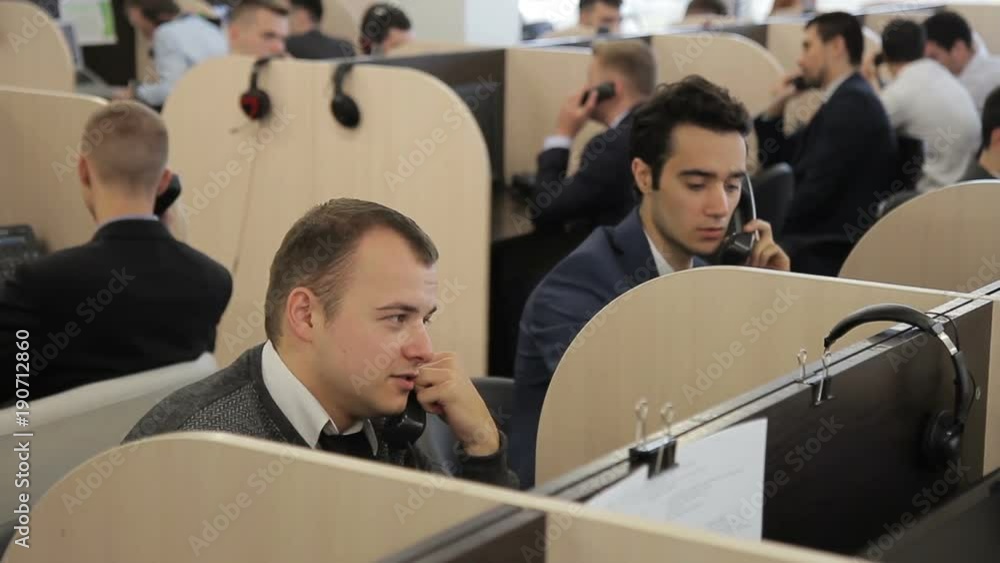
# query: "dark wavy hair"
692, 101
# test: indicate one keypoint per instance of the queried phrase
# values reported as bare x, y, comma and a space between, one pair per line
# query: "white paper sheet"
717, 485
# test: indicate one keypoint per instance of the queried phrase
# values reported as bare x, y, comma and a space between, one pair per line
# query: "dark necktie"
355, 445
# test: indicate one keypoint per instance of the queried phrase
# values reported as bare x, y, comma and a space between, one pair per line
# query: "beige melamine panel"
945, 239
537, 84
221, 498
247, 182
341, 22
33, 50
734, 62
39, 152
695, 338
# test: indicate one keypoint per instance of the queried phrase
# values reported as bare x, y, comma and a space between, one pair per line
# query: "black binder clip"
659, 454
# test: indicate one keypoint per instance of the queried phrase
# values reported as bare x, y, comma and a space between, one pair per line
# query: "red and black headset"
255, 102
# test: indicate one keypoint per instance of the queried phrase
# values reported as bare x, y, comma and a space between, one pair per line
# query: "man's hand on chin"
443, 389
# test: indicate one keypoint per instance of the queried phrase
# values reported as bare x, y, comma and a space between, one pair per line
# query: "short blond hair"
633, 58
125, 144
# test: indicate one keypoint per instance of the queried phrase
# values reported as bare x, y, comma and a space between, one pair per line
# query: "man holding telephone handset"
348, 365
622, 75
689, 162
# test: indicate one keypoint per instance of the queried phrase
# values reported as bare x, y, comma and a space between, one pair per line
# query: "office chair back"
71, 427
440, 443
773, 189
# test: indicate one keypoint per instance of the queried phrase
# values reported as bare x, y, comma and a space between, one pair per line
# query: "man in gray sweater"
351, 290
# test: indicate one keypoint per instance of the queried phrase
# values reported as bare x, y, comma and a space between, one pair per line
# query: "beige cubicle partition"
342, 19
246, 182
717, 56
536, 85
694, 338
945, 239
39, 152
223, 498
33, 49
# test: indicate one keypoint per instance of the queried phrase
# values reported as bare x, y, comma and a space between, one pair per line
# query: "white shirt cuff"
557, 142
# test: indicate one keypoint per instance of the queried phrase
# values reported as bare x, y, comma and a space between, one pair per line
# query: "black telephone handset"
168, 197
800, 84
605, 91
404, 429
737, 246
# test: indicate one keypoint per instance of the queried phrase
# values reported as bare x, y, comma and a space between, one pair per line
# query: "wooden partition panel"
246, 183
341, 22
537, 83
33, 52
945, 239
695, 338
222, 498
39, 152
715, 56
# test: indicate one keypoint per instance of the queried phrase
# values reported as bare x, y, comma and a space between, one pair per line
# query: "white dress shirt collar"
662, 266
828, 93
618, 120
299, 406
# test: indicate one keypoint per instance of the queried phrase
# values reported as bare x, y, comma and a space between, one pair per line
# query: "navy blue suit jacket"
611, 261
843, 157
600, 193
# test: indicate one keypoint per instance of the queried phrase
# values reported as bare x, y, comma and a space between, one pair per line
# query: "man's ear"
643, 175
164, 181
995, 139
83, 171
303, 314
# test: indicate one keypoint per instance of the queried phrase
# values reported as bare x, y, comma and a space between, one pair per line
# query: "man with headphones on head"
179, 41
384, 27
688, 157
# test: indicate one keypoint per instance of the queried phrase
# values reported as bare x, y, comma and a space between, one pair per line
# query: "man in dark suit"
352, 290
306, 40
600, 193
133, 298
689, 160
842, 159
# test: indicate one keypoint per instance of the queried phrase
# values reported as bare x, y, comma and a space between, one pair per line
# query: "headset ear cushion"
256, 104
345, 111
942, 439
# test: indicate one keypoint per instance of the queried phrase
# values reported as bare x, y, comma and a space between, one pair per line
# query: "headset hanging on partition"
942, 436
344, 108
255, 102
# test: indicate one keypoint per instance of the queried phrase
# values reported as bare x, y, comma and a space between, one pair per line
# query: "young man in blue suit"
688, 160
842, 159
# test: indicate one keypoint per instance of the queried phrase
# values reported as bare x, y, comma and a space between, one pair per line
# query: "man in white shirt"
925, 102
950, 42
179, 41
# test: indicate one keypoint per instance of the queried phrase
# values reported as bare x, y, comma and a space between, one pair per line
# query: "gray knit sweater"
236, 400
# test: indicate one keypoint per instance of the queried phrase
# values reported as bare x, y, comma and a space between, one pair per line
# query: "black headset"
255, 103
344, 108
942, 437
